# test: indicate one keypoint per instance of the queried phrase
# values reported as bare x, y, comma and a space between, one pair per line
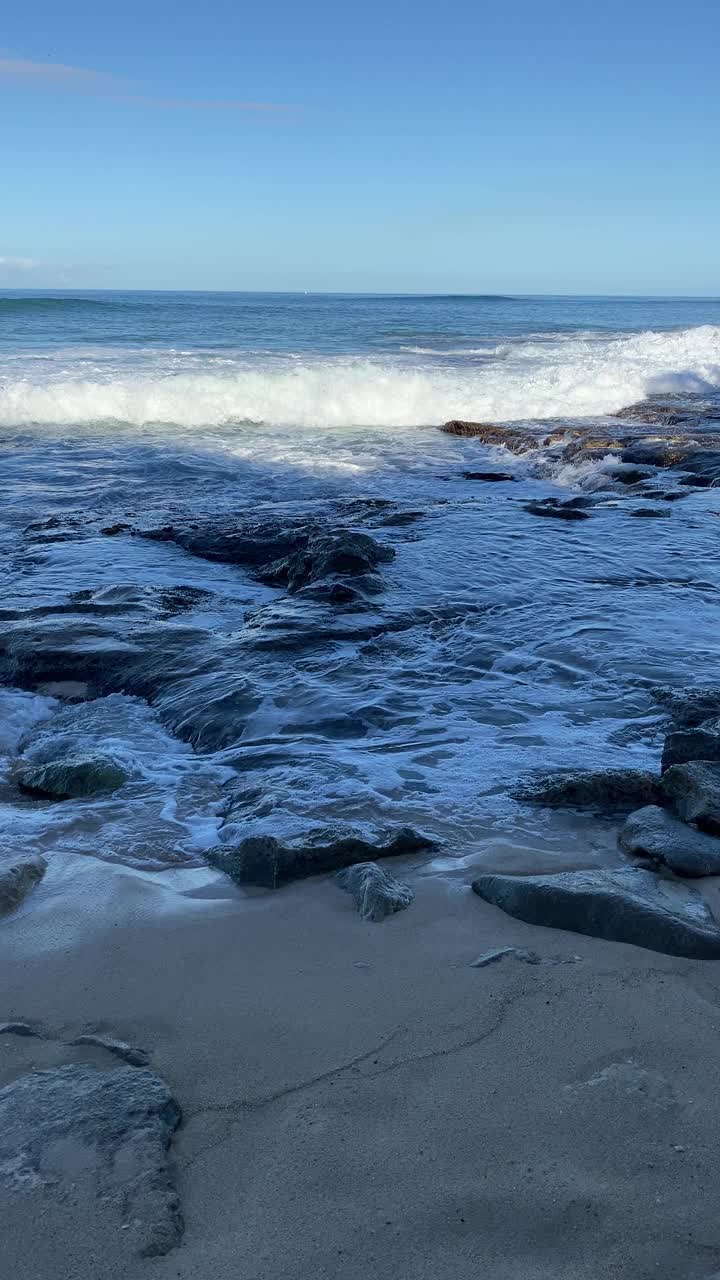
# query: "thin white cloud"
25, 72
20, 264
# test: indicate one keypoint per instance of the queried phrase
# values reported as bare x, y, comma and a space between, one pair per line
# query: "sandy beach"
359, 1100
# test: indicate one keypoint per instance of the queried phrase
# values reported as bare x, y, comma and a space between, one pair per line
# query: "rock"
697, 482
251, 543
102, 1134
128, 1052
328, 555
500, 953
655, 453
556, 509
264, 861
624, 474
510, 438
487, 475
592, 788
655, 833
651, 513
656, 413
112, 530
71, 778
626, 905
702, 466
691, 706
17, 879
693, 791
376, 893
19, 1029
700, 743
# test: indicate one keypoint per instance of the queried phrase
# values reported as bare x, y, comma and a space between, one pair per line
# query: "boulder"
73, 777
81, 1132
700, 743
377, 894
693, 791
654, 833
264, 861
591, 789
510, 438
620, 905
17, 878
691, 706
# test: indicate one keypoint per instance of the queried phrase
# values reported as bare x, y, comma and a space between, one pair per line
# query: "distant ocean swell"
579, 377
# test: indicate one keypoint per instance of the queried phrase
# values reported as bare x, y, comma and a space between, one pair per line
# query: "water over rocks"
17, 877
599, 789
267, 863
557, 509
654, 833
625, 905
96, 1134
377, 894
71, 777
510, 438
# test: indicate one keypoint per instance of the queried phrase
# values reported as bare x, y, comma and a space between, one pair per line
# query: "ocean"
493, 644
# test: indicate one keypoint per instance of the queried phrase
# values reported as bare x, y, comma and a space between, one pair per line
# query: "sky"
404, 146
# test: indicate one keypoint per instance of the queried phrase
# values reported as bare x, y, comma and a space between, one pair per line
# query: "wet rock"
78, 1131
489, 476
556, 509
656, 412
690, 706
697, 482
650, 513
502, 953
701, 743
326, 556
510, 438
377, 894
251, 543
119, 1048
655, 833
112, 530
591, 789
693, 791
627, 475
17, 878
656, 453
72, 777
632, 905
702, 467
24, 1029
264, 861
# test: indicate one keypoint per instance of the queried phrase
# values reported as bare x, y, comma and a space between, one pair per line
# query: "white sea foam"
585, 376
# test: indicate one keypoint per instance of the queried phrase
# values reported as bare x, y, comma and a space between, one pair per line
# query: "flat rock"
119, 1048
510, 438
655, 833
71, 777
264, 861
591, 789
699, 743
651, 513
17, 878
377, 894
693, 791
74, 1130
621, 905
556, 510
489, 476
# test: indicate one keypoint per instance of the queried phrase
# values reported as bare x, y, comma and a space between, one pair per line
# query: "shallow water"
501, 642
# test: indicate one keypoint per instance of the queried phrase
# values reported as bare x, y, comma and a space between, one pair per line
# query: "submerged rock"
510, 438
376, 893
556, 509
487, 475
630, 905
264, 861
693, 791
591, 788
328, 555
651, 513
17, 878
700, 743
655, 833
76, 1130
71, 778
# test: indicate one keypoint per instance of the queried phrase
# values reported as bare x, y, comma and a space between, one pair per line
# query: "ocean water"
501, 643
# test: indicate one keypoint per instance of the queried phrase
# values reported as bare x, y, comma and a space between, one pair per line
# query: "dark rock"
251, 543
377, 894
17, 878
328, 555
628, 905
487, 475
656, 453
592, 788
698, 482
119, 1048
556, 510
510, 438
655, 833
72, 777
628, 475
264, 861
117, 1125
702, 467
701, 743
691, 706
651, 513
112, 530
656, 413
693, 791
20, 1029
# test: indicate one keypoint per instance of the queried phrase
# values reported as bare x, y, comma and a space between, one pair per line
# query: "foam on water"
556, 377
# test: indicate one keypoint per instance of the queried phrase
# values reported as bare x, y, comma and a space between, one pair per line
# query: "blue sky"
397, 146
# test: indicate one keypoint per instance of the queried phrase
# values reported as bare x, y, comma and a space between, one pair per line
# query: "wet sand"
359, 1101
